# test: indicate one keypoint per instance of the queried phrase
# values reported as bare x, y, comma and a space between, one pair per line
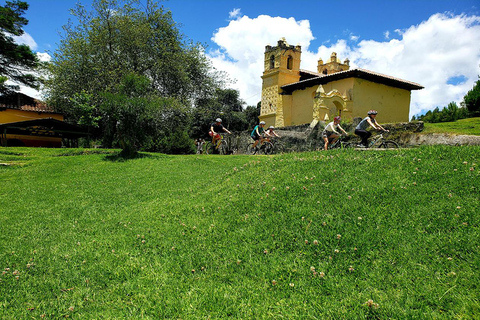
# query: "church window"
272, 61
289, 63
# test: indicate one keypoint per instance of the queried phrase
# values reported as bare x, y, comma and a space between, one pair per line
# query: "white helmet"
262, 122
218, 120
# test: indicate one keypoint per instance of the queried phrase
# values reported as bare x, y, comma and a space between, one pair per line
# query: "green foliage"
225, 104
470, 108
177, 142
472, 100
450, 113
15, 60
81, 104
136, 120
129, 56
252, 113
338, 235
124, 37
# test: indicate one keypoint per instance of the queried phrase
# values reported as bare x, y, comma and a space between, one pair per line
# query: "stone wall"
440, 139
308, 137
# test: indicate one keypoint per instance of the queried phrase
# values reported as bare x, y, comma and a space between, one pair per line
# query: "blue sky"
435, 43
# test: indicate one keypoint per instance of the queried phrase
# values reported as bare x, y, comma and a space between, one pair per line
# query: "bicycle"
265, 147
278, 146
209, 148
377, 140
341, 142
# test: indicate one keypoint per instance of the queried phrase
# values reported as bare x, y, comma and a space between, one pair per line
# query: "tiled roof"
310, 72
353, 73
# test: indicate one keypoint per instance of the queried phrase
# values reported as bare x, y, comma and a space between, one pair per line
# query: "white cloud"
26, 39
235, 13
242, 45
430, 54
44, 57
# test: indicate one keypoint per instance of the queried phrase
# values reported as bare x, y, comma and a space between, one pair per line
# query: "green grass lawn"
342, 234
469, 126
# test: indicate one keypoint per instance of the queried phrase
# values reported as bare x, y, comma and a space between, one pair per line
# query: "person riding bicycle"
271, 133
257, 133
329, 134
215, 128
369, 121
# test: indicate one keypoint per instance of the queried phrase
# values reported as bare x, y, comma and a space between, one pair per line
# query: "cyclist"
271, 133
257, 133
329, 133
215, 128
369, 121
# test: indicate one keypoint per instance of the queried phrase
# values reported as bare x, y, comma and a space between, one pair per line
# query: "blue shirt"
254, 132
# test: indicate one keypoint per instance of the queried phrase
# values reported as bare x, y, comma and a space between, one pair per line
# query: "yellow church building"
291, 96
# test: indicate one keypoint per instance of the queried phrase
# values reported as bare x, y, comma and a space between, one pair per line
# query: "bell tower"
281, 67
333, 65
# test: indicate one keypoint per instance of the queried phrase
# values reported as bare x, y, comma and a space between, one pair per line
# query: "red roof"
354, 73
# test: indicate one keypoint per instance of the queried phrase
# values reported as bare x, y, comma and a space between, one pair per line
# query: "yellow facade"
11, 115
281, 67
16, 115
291, 96
393, 104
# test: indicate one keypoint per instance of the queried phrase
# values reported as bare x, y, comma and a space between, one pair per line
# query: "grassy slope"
206, 236
470, 126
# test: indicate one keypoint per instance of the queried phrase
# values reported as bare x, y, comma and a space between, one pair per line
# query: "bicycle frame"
337, 143
376, 139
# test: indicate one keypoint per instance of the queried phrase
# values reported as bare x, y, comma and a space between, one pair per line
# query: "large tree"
118, 41
472, 100
16, 61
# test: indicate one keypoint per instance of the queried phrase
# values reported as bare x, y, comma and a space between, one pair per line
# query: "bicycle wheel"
250, 149
278, 147
222, 149
389, 144
267, 148
208, 148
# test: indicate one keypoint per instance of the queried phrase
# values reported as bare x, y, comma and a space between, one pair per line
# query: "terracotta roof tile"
356, 73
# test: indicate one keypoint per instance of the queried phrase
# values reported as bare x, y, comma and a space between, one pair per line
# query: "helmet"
372, 112
218, 120
271, 127
262, 122
337, 118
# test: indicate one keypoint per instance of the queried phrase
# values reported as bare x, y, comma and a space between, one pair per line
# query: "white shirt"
332, 126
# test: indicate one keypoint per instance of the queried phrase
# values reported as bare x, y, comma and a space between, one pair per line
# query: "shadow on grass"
121, 157
9, 153
82, 152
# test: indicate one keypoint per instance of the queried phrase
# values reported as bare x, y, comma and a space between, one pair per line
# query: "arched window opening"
289, 63
338, 109
272, 62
